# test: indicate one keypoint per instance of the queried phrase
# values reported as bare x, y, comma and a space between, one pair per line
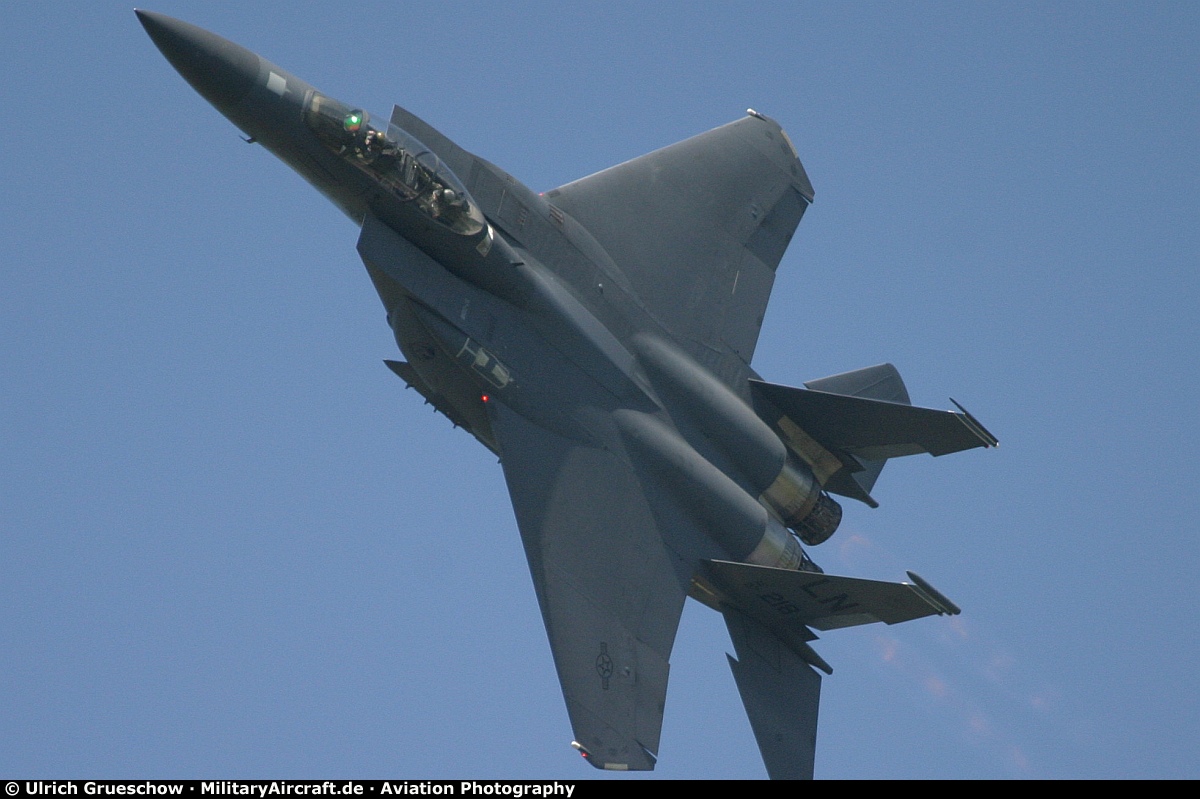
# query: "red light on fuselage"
485, 398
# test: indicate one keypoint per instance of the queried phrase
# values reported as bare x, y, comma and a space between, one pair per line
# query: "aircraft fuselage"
645, 459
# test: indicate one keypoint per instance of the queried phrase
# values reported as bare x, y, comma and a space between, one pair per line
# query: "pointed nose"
222, 72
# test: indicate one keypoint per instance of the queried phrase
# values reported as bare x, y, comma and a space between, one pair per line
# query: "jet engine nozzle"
734, 519
797, 498
784, 484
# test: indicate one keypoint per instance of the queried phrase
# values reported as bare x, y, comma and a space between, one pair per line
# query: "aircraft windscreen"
397, 160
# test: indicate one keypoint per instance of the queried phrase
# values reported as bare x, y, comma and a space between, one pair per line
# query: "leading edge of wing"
610, 592
699, 227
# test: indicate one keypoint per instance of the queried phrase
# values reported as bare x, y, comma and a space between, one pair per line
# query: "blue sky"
234, 546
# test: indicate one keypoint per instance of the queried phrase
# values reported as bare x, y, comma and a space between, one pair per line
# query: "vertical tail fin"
882, 382
781, 694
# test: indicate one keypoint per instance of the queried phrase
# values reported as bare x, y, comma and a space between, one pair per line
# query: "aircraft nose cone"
221, 71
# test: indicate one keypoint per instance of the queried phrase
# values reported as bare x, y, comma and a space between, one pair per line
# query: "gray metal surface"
610, 591
598, 339
699, 227
782, 696
786, 600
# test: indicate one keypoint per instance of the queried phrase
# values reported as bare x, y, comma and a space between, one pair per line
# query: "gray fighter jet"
598, 339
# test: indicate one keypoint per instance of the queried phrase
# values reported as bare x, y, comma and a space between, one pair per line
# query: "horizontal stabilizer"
874, 429
783, 600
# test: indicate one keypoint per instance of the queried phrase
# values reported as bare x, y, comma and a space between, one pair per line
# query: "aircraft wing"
699, 227
610, 592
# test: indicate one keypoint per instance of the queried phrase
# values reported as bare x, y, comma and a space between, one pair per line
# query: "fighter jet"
598, 339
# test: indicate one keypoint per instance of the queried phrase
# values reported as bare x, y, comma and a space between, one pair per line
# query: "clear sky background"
233, 545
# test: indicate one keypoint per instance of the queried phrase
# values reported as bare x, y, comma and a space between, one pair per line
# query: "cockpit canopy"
400, 163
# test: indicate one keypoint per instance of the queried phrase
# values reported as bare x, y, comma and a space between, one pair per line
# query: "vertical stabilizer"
882, 382
781, 694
